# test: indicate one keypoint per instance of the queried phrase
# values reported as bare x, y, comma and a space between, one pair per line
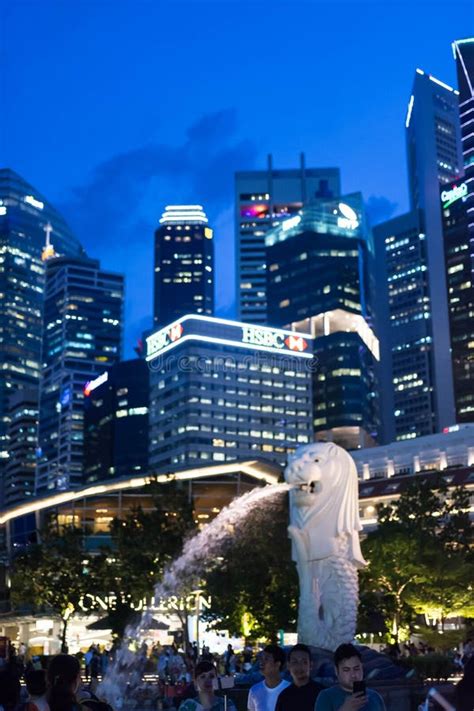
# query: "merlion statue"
324, 530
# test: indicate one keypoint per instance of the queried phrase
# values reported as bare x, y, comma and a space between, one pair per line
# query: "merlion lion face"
307, 471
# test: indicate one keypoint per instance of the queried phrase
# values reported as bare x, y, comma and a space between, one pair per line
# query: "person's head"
35, 681
299, 664
272, 660
204, 675
10, 689
64, 677
348, 663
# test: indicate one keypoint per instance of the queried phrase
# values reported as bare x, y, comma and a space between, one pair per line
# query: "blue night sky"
112, 109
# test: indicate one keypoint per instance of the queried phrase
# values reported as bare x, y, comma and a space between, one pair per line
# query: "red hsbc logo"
296, 343
175, 332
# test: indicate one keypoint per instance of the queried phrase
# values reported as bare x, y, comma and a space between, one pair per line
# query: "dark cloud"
379, 209
116, 211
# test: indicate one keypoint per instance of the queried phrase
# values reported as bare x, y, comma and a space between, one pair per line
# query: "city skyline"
112, 169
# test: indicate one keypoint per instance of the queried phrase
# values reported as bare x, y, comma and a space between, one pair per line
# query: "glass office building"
459, 276
116, 422
319, 282
82, 337
24, 215
459, 241
224, 391
263, 199
184, 264
405, 328
434, 156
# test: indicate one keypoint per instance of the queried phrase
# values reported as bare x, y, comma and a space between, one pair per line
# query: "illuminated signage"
192, 603
292, 222
456, 193
273, 339
30, 200
348, 219
93, 384
159, 340
226, 333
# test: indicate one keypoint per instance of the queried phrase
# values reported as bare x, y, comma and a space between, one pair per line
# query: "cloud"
379, 209
116, 211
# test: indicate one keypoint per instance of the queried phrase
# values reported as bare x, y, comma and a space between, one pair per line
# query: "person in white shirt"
263, 696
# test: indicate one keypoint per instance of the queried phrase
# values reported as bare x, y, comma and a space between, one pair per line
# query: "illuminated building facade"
434, 158
459, 243
263, 199
406, 332
224, 391
184, 264
19, 473
24, 215
318, 280
82, 337
116, 422
460, 279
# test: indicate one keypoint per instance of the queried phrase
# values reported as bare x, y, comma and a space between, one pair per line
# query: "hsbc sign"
271, 338
159, 340
207, 329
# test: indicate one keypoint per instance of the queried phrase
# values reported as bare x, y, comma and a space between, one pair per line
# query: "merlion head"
324, 495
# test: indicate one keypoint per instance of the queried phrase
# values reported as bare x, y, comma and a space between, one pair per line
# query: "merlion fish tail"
334, 622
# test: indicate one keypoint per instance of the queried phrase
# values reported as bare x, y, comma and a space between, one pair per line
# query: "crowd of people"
198, 681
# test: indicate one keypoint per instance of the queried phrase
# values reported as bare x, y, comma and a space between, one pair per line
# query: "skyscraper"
459, 275
184, 264
264, 198
434, 159
82, 337
224, 391
116, 422
405, 327
318, 281
458, 213
24, 215
19, 474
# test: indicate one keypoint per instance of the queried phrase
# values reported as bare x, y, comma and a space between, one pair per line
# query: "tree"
142, 544
50, 574
420, 556
254, 589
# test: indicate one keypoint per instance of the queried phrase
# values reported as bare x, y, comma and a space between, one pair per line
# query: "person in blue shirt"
348, 663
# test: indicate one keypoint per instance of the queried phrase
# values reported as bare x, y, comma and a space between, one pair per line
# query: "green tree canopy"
420, 556
142, 544
254, 587
51, 574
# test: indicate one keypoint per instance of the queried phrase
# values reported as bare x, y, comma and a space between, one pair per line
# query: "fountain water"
199, 553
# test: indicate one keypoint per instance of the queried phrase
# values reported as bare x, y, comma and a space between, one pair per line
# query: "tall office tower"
434, 158
263, 199
458, 213
19, 473
224, 391
116, 422
26, 220
318, 281
405, 328
460, 278
184, 264
82, 337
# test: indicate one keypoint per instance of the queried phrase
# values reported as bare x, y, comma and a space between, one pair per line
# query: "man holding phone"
350, 694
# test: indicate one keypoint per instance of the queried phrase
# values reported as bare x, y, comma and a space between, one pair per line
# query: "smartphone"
358, 687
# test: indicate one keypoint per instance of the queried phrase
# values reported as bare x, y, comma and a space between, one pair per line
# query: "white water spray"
199, 552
